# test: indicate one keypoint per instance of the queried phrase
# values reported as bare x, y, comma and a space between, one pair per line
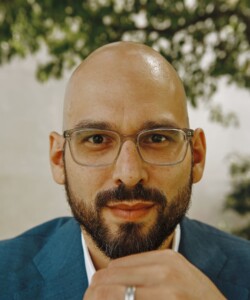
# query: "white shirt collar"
90, 269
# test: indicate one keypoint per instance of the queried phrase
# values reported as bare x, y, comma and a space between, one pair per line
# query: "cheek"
86, 182
170, 179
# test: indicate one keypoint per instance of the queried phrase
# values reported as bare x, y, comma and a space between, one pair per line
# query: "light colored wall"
30, 110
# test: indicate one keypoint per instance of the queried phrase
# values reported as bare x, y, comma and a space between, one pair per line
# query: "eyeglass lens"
101, 147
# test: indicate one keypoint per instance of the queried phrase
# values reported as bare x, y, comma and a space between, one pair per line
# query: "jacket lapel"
203, 252
60, 265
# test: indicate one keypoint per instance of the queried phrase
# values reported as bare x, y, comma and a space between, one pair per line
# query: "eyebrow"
159, 124
108, 126
93, 124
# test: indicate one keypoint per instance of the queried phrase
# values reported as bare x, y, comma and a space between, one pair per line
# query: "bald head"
122, 65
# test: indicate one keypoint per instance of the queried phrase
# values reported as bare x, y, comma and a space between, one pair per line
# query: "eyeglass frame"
188, 133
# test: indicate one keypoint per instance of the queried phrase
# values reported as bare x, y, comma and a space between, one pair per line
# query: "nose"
129, 167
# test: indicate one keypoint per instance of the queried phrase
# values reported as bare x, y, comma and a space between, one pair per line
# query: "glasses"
96, 147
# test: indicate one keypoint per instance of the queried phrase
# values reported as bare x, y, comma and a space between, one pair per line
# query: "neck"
101, 261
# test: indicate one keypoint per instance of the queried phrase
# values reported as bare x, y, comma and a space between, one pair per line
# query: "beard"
130, 237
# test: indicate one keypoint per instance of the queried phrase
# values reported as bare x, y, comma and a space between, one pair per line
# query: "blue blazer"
47, 261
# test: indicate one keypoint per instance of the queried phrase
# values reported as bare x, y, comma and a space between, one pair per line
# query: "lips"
131, 211
131, 206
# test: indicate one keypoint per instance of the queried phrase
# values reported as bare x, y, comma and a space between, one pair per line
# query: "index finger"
146, 258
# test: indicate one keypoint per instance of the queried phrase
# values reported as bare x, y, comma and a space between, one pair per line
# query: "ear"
56, 157
199, 154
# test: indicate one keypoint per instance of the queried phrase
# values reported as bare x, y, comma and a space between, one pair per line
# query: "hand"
162, 274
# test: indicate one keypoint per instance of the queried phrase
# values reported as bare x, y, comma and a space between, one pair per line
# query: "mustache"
123, 193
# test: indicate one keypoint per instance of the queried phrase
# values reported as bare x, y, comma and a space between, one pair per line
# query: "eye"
93, 138
157, 138
161, 138
99, 140
96, 139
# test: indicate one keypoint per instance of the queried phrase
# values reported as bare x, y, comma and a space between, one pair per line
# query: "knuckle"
98, 277
171, 253
104, 292
98, 292
173, 256
104, 276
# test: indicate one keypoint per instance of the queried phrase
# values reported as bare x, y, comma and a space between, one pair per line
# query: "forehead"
126, 88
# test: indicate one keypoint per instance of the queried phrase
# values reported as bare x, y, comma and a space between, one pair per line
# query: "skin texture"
127, 87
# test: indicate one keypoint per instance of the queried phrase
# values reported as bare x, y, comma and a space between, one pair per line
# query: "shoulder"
227, 241
218, 254
16, 251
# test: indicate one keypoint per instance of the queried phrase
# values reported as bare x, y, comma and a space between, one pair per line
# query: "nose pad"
129, 168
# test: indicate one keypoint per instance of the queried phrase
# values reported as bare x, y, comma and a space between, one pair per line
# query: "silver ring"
130, 293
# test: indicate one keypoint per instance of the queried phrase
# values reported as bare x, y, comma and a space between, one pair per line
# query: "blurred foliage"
203, 39
239, 198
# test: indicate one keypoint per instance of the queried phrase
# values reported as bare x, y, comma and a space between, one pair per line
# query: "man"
128, 160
